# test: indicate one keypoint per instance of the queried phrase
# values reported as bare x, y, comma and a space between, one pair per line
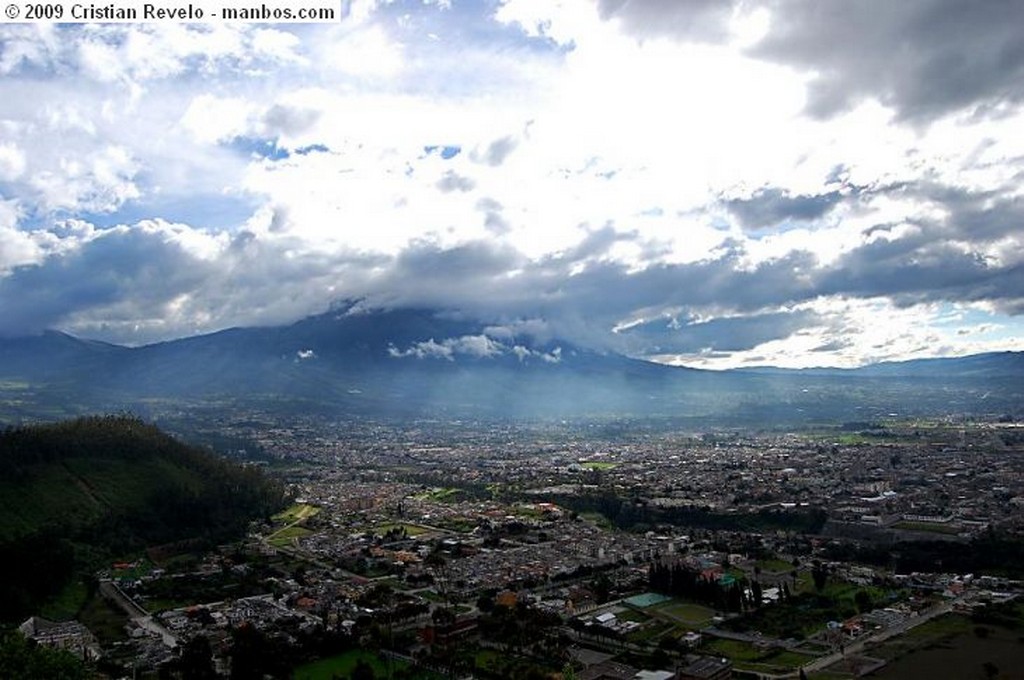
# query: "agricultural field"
692, 616
296, 513
977, 652
440, 495
747, 656
342, 665
286, 537
598, 465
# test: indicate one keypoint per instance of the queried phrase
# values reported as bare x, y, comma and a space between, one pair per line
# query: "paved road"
138, 615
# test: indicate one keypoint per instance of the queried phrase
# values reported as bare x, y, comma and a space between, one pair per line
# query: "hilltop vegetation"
75, 493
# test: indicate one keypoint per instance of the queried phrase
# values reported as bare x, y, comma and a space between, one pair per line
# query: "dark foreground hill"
76, 493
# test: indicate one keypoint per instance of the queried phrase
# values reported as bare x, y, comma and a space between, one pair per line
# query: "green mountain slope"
78, 491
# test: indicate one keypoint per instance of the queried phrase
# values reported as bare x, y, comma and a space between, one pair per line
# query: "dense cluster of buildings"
405, 524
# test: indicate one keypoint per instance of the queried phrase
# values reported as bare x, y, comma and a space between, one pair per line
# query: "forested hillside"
77, 492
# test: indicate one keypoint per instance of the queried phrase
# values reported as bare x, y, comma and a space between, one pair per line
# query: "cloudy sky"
789, 182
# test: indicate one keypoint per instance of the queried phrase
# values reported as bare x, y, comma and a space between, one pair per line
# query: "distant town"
588, 550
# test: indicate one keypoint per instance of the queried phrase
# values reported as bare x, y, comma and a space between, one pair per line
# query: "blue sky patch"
263, 148
446, 152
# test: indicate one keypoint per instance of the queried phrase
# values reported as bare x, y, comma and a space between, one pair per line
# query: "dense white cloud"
700, 182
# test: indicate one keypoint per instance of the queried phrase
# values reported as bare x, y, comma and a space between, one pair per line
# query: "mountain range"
420, 362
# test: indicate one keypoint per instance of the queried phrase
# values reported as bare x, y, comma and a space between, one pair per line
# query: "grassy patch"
939, 651
105, 619
735, 650
746, 655
927, 634
690, 614
296, 513
448, 495
342, 665
67, 603
775, 566
632, 615
487, 659
649, 633
598, 465
598, 519
286, 536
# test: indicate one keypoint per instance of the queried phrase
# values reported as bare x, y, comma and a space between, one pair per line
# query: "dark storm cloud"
705, 20
924, 58
140, 266
770, 206
833, 346
426, 260
917, 269
976, 216
596, 243
728, 334
140, 284
581, 295
112, 280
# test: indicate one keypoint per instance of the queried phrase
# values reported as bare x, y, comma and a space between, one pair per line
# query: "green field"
296, 513
598, 465
651, 632
286, 536
693, 615
440, 495
341, 666
775, 566
939, 651
746, 655
67, 603
598, 519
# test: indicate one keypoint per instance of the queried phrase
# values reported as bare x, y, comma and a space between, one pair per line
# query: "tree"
485, 603
819, 572
438, 566
254, 655
756, 594
863, 601
197, 659
363, 671
22, 659
602, 587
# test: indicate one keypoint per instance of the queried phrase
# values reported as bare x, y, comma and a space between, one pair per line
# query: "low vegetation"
76, 494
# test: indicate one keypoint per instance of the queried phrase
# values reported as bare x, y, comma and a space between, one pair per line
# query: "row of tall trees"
630, 513
680, 580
